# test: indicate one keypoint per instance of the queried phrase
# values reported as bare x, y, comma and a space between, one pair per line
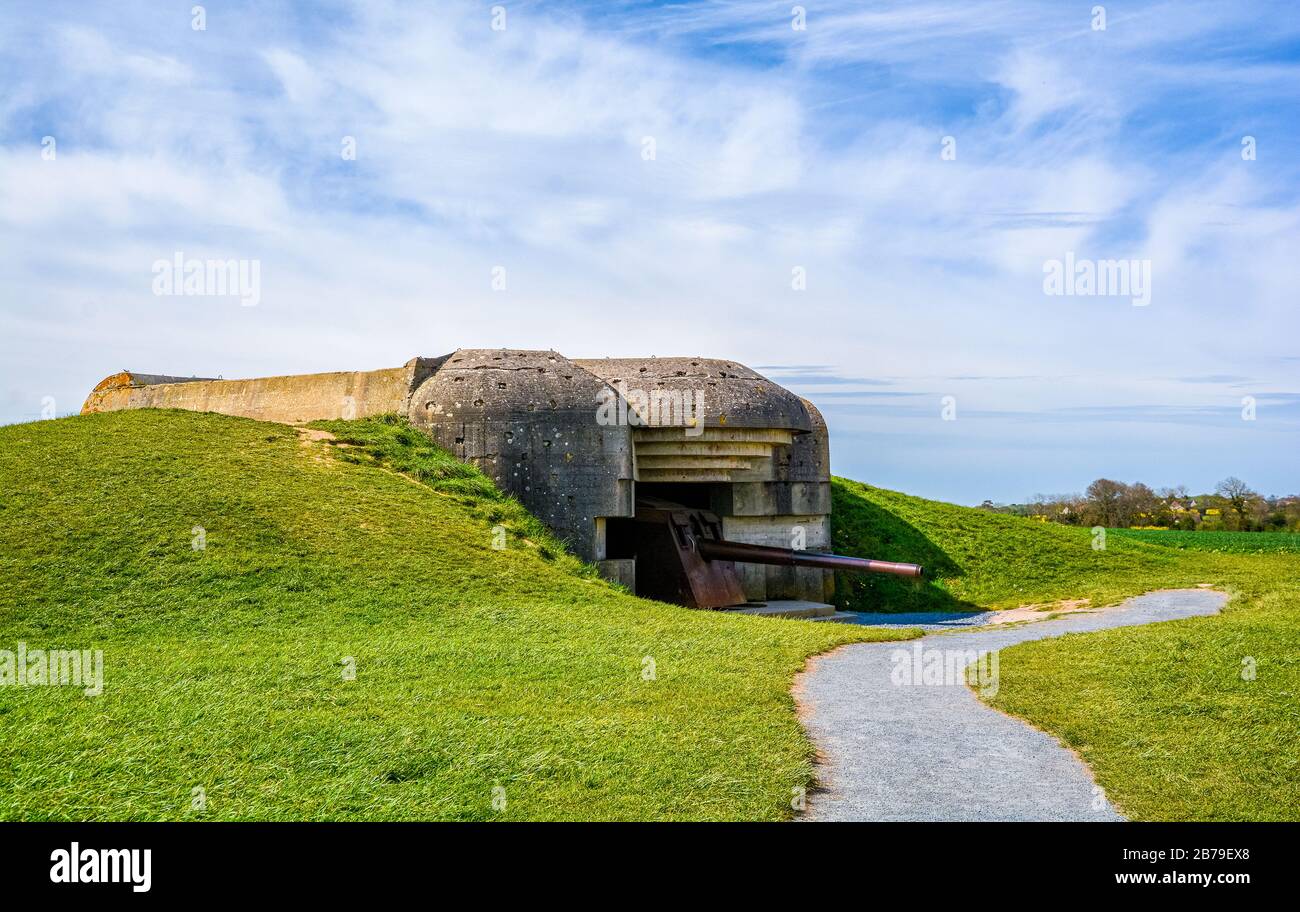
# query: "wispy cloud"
1215, 378
650, 177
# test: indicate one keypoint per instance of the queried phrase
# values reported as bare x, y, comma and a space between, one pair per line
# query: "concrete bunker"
602, 451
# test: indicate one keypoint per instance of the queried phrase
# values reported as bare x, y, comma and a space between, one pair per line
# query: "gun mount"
682, 557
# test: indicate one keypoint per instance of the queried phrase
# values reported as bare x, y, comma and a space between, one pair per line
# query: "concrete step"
789, 608
839, 617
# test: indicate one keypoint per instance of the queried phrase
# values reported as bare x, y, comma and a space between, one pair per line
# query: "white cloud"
524, 149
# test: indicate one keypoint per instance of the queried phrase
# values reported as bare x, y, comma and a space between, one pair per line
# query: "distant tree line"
1232, 506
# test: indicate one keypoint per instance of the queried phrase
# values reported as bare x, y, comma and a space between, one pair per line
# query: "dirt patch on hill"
311, 435
1038, 612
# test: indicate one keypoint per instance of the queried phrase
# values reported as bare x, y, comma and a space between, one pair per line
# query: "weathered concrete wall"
288, 400
809, 457
763, 582
766, 509
733, 395
528, 420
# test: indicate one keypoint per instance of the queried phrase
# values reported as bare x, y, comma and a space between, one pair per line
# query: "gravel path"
895, 751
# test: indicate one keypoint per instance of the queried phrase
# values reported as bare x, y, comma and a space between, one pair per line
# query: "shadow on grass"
860, 528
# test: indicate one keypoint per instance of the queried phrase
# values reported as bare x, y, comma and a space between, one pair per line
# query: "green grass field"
474, 668
478, 669
1226, 542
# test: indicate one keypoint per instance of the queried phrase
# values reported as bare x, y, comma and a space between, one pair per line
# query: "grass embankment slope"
1185, 720
976, 560
475, 668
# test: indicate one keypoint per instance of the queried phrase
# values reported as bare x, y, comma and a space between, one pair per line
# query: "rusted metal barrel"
767, 554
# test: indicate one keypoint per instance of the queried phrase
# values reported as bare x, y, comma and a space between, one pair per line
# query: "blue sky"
775, 149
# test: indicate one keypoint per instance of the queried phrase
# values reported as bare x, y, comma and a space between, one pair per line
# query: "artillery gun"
682, 557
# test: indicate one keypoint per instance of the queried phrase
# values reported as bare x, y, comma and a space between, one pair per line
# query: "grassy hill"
479, 669
975, 559
475, 669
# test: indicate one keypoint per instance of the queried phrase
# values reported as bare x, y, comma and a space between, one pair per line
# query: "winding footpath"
899, 751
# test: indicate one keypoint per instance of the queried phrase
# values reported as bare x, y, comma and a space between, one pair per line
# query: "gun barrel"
767, 554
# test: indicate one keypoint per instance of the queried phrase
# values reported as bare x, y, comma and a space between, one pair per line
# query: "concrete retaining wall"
287, 400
